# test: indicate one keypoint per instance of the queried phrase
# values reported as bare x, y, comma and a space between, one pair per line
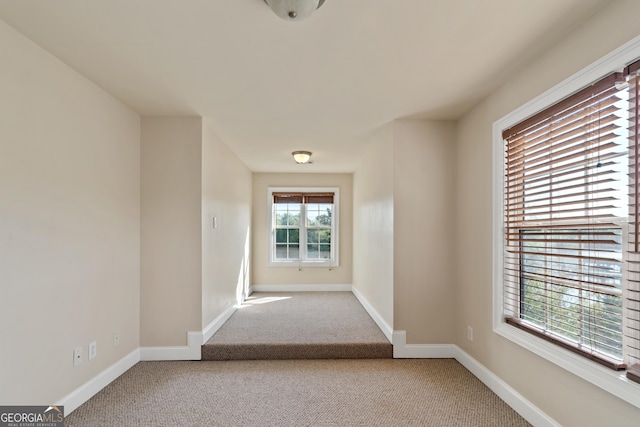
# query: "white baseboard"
384, 326
522, 406
86, 391
217, 323
402, 350
300, 288
398, 338
515, 400
192, 351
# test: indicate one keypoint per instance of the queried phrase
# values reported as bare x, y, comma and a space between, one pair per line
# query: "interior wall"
423, 176
373, 223
69, 225
171, 230
265, 275
226, 195
547, 386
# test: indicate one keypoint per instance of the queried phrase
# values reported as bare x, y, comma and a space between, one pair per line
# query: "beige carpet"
298, 325
380, 392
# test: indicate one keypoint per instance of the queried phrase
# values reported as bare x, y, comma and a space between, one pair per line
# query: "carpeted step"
296, 351
298, 325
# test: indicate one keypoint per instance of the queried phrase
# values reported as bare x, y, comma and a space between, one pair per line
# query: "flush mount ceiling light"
294, 10
302, 157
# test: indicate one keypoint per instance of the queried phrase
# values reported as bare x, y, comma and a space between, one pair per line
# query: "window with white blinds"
571, 266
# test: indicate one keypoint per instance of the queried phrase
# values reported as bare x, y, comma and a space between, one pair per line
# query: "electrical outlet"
93, 350
469, 333
77, 356
116, 338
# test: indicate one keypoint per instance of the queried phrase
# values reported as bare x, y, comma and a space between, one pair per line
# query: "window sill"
611, 381
303, 264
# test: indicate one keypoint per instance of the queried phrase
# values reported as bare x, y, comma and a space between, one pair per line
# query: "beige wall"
69, 225
226, 195
265, 275
539, 381
171, 228
373, 224
423, 225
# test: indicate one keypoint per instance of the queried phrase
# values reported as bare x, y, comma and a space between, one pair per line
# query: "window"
303, 227
567, 222
564, 208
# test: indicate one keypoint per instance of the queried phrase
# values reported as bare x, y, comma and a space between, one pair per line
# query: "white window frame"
614, 382
335, 220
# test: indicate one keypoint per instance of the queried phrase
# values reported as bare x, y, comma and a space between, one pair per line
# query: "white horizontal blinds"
565, 190
632, 302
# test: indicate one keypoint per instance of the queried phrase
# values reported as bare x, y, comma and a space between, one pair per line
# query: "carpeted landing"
298, 325
297, 393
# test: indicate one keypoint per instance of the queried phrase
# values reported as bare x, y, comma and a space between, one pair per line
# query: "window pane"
312, 217
294, 251
281, 251
281, 235
294, 218
312, 236
287, 243
324, 236
287, 235
319, 214
291, 251
571, 285
313, 252
325, 214
288, 214
325, 251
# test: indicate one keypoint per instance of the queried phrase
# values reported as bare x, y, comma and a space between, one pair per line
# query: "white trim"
384, 326
606, 379
530, 412
515, 400
89, 389
525, 408
402, 350
217, 323
612, 381
192, 351
300, 288
335, 233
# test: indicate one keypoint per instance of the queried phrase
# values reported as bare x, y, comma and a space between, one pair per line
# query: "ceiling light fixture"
294, 10
302, 157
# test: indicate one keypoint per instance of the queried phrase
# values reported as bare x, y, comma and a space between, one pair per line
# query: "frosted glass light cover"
301, 156
293, 10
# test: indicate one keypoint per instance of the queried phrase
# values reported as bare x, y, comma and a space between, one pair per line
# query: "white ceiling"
270, 86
